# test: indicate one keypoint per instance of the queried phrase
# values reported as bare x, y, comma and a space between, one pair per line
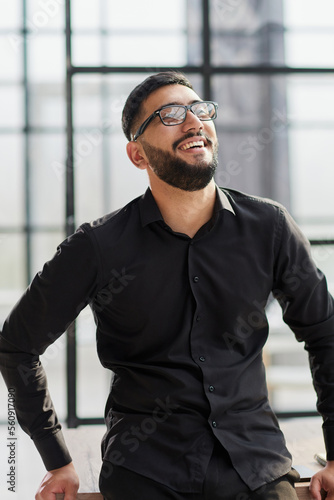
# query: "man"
178, 281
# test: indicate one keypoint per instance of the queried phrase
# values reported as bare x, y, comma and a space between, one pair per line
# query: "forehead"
176, 94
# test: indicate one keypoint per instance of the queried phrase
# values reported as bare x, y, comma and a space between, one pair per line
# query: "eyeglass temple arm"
144, 125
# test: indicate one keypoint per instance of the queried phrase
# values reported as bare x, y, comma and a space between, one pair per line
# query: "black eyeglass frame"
186, 107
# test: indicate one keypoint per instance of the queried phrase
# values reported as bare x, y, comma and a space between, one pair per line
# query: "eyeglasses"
175, 114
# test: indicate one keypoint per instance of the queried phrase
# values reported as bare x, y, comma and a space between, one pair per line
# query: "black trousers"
222, 482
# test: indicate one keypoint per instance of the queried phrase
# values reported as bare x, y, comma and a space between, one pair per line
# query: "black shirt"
181, 323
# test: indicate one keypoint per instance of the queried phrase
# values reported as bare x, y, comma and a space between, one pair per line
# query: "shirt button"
196, 279
198, 318
214, 423
202, 359
211, 388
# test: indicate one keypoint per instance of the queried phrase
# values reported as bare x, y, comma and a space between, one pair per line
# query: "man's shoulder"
241, 199
113, 220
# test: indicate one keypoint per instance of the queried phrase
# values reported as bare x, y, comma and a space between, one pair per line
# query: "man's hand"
64, 480
323, 479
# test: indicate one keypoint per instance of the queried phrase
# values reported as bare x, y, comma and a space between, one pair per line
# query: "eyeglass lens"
172, 115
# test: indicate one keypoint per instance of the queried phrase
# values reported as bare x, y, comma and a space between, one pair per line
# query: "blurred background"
270, 66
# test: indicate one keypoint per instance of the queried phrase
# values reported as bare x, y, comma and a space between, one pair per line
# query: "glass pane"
46, 58
47, 182
12, 262
87, 102
288, 375
312, 180
310, 102
12, 190
47, 105
171, 49
88, 148
319, 17
87, 18
54, 362
310, 49
235, 107
253, 135
132, 15
194, 30
324, 258
12, 106
43, 248
8, 296
246, 33
87, 50
311, 99
91, 402
11, 67
91, 50
47, 14
126, 181
147, 26
10, 14
309, 38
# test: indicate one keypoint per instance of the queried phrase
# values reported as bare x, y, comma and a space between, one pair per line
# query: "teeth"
192, 144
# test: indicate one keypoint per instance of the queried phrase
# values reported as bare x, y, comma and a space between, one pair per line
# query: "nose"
192, 122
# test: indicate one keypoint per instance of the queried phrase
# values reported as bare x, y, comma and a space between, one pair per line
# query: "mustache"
189, 136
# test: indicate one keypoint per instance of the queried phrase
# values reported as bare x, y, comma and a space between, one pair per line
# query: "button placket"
197, 282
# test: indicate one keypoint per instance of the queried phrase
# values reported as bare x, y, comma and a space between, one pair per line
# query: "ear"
136, 154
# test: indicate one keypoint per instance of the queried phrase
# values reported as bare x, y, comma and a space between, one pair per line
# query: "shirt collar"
222, 201
149, 210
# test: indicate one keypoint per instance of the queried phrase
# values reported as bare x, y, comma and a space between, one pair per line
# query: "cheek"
159, 133
210, 129
164, 138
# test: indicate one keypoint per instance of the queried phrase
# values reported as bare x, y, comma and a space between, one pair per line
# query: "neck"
184, 211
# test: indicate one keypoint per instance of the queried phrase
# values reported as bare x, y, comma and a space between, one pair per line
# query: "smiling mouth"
192, 145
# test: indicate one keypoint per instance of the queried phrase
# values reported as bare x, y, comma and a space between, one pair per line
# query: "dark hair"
143, 90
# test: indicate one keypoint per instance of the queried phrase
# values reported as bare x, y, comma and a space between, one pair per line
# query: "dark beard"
178, 173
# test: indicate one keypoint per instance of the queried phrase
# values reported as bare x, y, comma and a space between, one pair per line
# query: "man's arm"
24, 374
53, 300
308, 308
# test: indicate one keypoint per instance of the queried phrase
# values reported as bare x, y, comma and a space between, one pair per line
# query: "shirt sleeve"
308, 309
55, 297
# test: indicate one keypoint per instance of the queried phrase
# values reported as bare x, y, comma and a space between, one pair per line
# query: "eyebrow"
175, 103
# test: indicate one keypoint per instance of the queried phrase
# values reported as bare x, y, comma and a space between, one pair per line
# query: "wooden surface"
302, 490
303, 436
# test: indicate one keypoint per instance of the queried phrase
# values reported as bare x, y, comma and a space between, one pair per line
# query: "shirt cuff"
53, 451
328, 430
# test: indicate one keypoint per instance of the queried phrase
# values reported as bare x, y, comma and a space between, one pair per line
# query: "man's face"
167, 148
